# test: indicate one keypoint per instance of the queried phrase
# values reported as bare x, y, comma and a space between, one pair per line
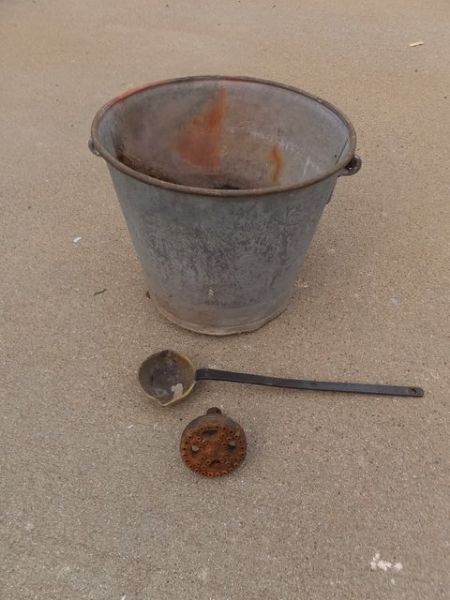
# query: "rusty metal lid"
213, 444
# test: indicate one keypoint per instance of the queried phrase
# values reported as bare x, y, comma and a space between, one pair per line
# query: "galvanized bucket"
222, 182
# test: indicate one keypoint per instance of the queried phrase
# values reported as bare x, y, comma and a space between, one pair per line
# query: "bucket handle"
92, 148
352, 167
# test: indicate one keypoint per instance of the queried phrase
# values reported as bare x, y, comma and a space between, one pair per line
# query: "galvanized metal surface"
213, 444
222, 182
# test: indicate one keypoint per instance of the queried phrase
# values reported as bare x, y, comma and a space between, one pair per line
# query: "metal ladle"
169, 376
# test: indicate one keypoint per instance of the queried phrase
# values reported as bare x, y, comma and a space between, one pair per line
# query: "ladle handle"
301, 384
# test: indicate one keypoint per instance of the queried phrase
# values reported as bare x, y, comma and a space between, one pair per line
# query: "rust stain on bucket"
200, 141
277, 159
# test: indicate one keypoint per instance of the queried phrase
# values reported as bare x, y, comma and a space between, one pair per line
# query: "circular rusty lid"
213, 444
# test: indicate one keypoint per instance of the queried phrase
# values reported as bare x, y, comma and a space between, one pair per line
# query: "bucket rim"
345, 157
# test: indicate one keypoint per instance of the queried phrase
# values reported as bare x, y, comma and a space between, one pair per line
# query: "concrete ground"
95, 502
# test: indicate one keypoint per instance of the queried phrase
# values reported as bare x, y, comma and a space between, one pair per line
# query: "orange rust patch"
277, 158
200, 141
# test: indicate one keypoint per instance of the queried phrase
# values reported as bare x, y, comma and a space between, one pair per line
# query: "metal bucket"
222, 182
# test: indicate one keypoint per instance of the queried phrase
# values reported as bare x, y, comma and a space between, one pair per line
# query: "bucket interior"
226, 134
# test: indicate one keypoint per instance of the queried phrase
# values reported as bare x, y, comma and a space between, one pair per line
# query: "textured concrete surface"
95, 502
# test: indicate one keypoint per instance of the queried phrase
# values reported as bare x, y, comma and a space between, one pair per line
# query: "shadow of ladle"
169, 376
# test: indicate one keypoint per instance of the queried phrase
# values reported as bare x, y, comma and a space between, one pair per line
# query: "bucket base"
218, 331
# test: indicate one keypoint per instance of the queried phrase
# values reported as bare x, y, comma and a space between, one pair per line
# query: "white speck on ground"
76, 239
384, 565
64, 571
